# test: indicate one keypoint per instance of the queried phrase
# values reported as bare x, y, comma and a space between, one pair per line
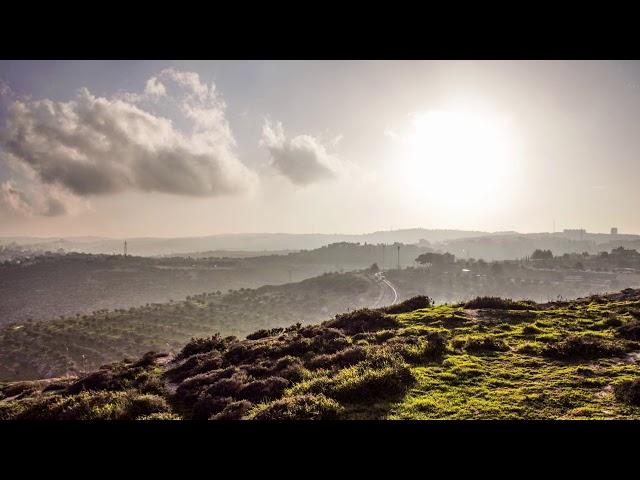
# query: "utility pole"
383, 256
398, 256
125, 248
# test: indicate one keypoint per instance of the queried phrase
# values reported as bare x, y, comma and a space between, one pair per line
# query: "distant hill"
515, 245
486, 245
238, 242
489, 358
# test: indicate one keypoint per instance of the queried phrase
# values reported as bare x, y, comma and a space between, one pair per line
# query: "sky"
190, 148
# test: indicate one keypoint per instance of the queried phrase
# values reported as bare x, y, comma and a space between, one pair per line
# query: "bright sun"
459, 159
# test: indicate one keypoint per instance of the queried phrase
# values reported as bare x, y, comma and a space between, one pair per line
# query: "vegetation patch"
414, 303
497, 303
383, 374
363, 320
628, 391
583, 347
298, 407
560, 360
630, 330
482, 344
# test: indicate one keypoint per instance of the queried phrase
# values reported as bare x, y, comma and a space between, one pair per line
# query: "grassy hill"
489, 358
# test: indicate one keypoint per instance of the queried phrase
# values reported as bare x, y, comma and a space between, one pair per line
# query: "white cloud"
25, 195
154, 88
96, 145
302, 159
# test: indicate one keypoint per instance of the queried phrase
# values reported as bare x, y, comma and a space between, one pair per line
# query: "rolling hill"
488, 358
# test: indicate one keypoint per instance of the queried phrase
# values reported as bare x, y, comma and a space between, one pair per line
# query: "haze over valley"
319, 240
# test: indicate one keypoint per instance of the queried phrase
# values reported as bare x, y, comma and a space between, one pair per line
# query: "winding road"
385, 292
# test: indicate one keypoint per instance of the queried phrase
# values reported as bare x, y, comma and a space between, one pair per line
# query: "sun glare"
459, 159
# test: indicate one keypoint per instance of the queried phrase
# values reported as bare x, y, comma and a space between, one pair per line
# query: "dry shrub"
583, 347
299, 407
628, 392
497, 303
414, 303
362, 320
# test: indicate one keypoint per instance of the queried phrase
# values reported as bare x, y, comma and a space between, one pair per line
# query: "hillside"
239, 241
488, 358
48, 286
77, 343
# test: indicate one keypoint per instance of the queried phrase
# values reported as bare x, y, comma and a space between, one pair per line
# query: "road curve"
381, 280
395, 293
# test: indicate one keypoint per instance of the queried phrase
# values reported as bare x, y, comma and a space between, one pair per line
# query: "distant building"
614, 230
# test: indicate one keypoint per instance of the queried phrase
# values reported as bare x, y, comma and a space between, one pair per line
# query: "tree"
436, 258
541, 255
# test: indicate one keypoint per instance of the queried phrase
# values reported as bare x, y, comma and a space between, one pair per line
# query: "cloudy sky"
196, 148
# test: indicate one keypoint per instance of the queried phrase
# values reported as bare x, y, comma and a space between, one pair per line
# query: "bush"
382, 336
585, 346
229, 386
497, 303
383, 374
628, 392
19, 389
194, 365
98, 380
208, 405
146, 405
264, 333
414, 303
531, 330
56, 386
342, 359
299, 407
191, 388
529, 348
363, 320
483, 344
88, 405
160, 416
262, 390
613, 322
630, 330
202, 345
233, 411
148, 359
148, 383
290, 368
415, 350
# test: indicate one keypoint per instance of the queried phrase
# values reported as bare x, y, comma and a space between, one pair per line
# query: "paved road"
386, 292
395, 292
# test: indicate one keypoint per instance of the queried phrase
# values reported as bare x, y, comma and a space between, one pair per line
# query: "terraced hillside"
489, 358
80, 343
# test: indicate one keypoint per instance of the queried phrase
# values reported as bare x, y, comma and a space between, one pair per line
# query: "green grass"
519, 383
564, 360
